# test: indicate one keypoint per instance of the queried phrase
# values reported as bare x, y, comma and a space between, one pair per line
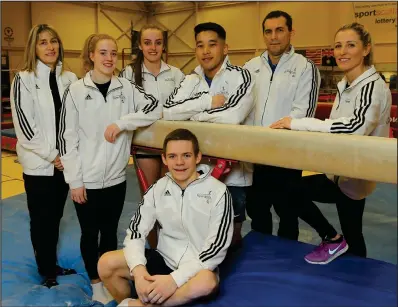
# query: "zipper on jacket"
338, 91
112, 90
156, 77
106, 158
182, 224
182, 205
265, 105
285, 59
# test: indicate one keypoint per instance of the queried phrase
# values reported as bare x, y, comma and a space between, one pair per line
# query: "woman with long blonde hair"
36, 106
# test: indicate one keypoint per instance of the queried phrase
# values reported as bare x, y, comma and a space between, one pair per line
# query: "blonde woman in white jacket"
36, 93
361, 107
158, 79
99, 113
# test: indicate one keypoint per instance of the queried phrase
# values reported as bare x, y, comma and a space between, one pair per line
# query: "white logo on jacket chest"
121, 96
207, 196
292, 72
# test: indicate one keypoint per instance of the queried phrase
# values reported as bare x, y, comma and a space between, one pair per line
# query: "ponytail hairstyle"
137, 64
364, 36
89, 47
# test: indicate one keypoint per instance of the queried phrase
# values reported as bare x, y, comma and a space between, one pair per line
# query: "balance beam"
362, 157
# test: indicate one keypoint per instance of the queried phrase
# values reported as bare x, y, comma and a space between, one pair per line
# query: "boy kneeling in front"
195, 214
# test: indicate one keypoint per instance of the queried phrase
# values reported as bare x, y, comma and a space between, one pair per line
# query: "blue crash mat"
268, 271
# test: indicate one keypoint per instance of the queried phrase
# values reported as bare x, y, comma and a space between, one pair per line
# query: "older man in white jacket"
287, 84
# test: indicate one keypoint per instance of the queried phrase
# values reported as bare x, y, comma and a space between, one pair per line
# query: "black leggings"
46, 196
319, 188
100, 214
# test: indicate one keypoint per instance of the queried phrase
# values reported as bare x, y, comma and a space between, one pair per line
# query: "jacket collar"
199, 70
43, 71
163, 67
286, 56
368, 76
202, 169
115, 82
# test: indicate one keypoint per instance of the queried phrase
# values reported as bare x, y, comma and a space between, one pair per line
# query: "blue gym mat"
268, 271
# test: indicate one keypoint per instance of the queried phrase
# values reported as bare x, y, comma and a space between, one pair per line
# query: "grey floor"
380, 219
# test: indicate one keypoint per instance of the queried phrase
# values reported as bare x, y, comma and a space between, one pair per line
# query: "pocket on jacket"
93, 160
30, 160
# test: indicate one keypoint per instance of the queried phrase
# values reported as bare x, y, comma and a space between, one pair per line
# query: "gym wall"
315, 24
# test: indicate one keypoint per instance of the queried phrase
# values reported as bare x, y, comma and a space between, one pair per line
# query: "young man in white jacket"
287, 84
195, 214
217, 92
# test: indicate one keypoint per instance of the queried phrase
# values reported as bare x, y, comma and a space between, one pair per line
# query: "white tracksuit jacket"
160, 86
192, 101
196, 225
291, 90
362, 108
87, 157
33, 115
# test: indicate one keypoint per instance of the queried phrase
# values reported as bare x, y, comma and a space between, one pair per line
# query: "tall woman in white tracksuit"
361, 107
36, 105
99, 113
158, 79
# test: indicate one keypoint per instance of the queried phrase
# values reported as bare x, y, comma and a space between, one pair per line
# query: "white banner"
376, 12
380, 18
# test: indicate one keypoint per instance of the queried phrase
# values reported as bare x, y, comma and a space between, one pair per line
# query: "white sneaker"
99, 294
125, 302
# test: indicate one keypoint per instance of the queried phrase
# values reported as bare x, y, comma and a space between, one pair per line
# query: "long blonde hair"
30, 56
89, 47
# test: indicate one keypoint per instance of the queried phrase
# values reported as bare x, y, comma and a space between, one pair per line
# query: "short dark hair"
210, 26
182, 135
277, 14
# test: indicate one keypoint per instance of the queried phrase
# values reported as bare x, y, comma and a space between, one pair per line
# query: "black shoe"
50, 282
63, 272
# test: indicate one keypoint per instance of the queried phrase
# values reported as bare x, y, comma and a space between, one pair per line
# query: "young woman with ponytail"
98, 116
158, 79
